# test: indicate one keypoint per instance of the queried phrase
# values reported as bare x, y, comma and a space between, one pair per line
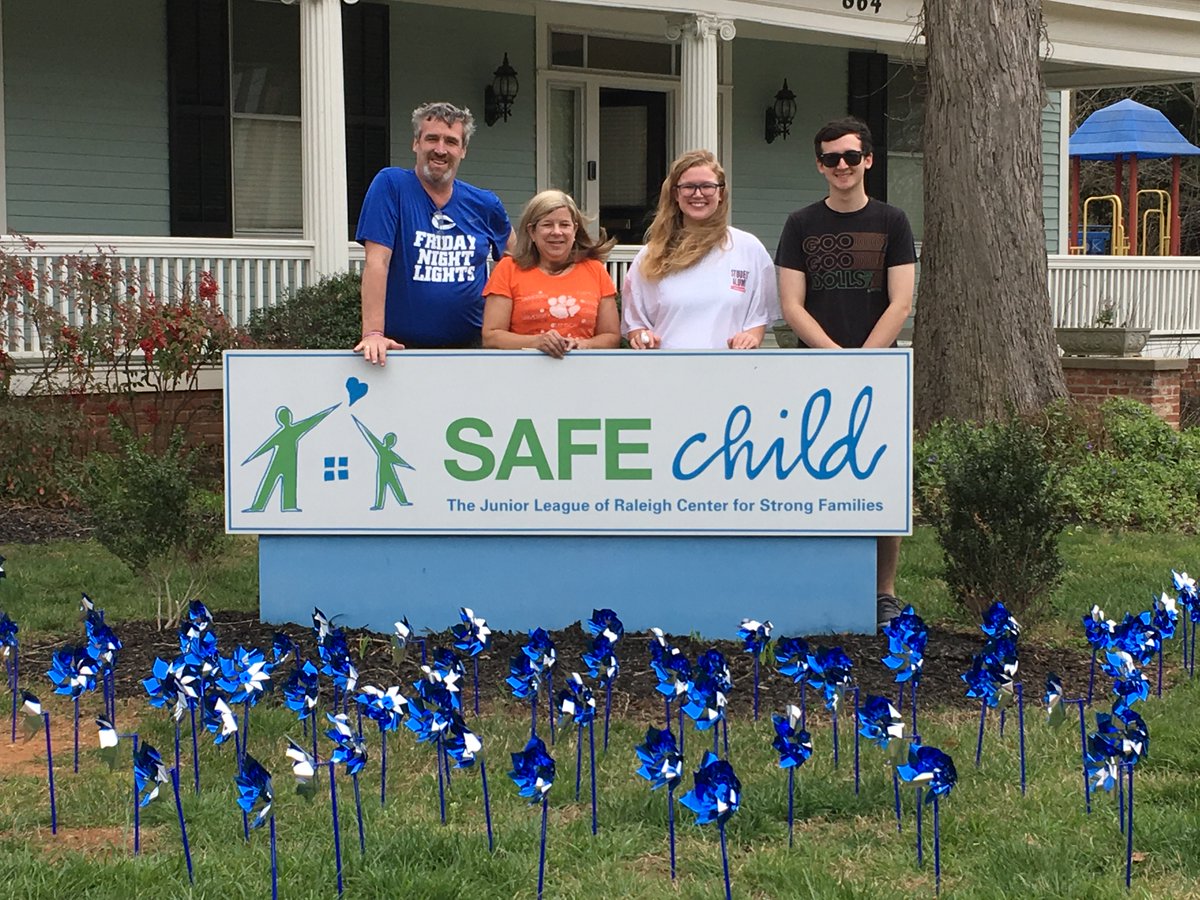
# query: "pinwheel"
149, 774
712, 663
1164, 617
430, 712
387, 709
472, 636
791, 657
402, 636
73, 671
102, 646
755, 637
932, 770
998, 622
880, 722
255, 797
576, 701
540, 650
245, 676
351, 751
1099, 631
705, 704
1113, 754
219, 718
301, 693
173, 683
466, 748
907, 636
10, 649
602, 664
662, 764
1129, 682
446, 671
1055, 701
1137, 636
990, 678
35, 718
525, 679
109, 738
533, 774
794, 746
674, 672
336, 663
715, 797
1185, 592
831, 671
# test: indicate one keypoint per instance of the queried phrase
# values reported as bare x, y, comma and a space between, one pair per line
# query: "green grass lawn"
995, 842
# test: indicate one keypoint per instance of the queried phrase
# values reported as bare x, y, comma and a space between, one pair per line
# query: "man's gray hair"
444, 112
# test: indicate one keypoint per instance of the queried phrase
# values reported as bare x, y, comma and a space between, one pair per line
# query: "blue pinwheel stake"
387, 709
533, 774
10, 649
794, 746
301, 694
1114, 750
932, 770
1189, 601
674, 672
103, 646
907, 636
1098, 630
245, 676
173, 684
1164, 616
465, 748
149, 774
881, 723
577, 702
73, 672
525, 680
755, 636
791, 657
351, 751
540, 650
601, 661
402, 636
37, 718
715, 797
472, 636
991, 676
256, 799
830, 670
662, 764
1056, 702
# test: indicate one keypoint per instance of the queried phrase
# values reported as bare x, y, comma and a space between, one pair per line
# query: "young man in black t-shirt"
847, 266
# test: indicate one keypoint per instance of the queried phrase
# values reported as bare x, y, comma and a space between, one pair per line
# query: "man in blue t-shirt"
428, 237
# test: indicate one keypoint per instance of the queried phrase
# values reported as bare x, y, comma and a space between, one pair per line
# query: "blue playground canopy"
1128, 128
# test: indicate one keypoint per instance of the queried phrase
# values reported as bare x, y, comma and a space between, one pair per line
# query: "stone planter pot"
1099, 341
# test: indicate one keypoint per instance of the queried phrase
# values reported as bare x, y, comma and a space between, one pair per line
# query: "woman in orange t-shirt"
553, 293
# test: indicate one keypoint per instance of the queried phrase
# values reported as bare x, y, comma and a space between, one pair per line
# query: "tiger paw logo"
563, 307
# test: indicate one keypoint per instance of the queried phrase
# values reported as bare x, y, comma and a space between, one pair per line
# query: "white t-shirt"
731, 289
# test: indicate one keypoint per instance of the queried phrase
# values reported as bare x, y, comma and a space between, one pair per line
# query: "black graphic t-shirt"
845, 258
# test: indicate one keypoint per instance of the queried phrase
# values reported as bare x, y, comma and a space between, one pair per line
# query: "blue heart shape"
356, 389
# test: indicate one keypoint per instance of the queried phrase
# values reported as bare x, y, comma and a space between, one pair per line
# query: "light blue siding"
769, 181
1052, 168
85, 117
441, 53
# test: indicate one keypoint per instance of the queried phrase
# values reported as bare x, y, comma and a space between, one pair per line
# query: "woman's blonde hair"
670, 245
525, 252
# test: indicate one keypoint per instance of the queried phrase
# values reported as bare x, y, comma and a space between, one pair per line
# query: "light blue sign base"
684, 585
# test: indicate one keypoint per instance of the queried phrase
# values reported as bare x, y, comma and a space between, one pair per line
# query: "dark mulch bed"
948, 653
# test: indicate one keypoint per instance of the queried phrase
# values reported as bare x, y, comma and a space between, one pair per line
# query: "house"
238, 136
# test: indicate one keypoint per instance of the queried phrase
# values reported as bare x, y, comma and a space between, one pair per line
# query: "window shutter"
367, 75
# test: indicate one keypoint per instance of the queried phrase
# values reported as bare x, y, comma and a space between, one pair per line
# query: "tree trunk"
984, 337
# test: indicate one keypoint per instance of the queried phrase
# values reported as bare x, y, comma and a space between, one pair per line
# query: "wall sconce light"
498, 96
781, 114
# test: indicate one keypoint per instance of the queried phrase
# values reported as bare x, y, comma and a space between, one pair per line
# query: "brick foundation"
1159, 383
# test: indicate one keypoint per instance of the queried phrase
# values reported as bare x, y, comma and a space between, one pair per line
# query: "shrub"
40, 446
996, 504
148, 514
323, 316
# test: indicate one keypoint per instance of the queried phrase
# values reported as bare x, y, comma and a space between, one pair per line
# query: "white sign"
772, 442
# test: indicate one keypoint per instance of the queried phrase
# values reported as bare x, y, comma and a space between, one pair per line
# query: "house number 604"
863, 5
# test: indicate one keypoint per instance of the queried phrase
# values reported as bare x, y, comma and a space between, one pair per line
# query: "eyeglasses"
831, 160
703, 188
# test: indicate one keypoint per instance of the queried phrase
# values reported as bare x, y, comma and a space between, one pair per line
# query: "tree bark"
984, 343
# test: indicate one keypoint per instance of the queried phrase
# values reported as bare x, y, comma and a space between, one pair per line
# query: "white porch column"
323, 134
696, 123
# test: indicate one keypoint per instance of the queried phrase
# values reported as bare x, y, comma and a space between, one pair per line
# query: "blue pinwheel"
716, 796
256, 797
10, 649
705, 703
533, 774
998, 622
336, 663
302, 689
932, 770
283, 649
525, 679
149, 773
8, 635
601, 660
219, 718
671, 666
830, 671
465, 748
304, 769
541, 652
174, 684
245, 675
662, 764
606, 624
1053, 698
402, 636
447, 670
387, 709
472, 637
794, 746
103, 645
879, 721
72, 672
1099, 632
755, 636
907, 636
991, 678
322, 626
351, 751
791, 658
577, 701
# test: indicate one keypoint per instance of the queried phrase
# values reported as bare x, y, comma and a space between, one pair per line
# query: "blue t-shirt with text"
439, 256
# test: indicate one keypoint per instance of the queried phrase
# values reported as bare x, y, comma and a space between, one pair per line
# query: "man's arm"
900, 283
793, 289
375, 344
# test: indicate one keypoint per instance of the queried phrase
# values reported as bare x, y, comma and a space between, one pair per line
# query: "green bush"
323, 316
148, 513
41, 442
995, 501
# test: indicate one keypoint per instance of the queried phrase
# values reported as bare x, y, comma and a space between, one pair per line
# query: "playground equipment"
1122, 134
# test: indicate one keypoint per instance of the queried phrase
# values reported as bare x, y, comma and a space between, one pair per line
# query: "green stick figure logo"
386, 462
284, 447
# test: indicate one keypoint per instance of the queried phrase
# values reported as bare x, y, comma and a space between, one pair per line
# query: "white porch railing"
1160, 293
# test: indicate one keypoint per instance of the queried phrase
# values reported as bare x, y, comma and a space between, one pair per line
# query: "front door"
632, 160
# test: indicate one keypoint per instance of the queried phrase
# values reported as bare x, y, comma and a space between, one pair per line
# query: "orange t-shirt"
566, 303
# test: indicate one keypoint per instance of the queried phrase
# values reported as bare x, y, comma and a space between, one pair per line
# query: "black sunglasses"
831, 160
